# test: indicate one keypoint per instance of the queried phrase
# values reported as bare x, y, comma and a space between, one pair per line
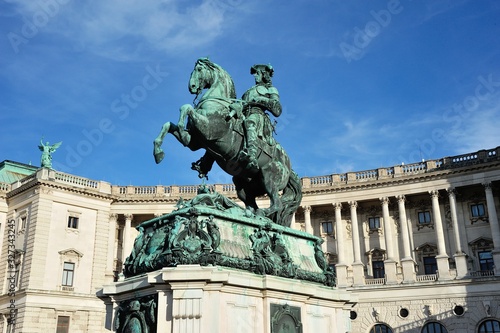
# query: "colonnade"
353, 266
405, 259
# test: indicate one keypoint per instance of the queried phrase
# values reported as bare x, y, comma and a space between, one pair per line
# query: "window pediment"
71, 253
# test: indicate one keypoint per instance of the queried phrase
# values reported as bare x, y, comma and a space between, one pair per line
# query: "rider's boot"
251, 151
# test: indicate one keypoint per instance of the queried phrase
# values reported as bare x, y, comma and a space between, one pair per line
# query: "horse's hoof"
159, 156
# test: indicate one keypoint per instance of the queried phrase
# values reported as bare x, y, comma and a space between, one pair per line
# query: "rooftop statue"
237, 135
47, 149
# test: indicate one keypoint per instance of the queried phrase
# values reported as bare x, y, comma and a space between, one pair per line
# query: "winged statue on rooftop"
47, 149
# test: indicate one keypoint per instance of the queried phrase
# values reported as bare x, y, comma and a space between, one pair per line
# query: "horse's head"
200, 77
206, 74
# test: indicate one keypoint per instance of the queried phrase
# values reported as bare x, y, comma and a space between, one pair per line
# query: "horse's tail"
291, 198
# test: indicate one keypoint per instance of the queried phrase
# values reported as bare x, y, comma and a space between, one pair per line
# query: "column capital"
384, 200
401, 198
452, 192
353, 204
113, 217
307, 209
337, 205
129, 217
434, 193
487, 186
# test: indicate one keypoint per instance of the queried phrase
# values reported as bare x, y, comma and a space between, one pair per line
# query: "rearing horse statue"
214, 125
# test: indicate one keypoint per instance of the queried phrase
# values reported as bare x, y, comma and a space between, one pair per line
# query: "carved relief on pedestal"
137, 315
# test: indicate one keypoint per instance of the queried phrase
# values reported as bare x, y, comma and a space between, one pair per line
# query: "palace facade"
418, 244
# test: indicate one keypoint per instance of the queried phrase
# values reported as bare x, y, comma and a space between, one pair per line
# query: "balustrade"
374, 281
427, 278
75, 180
4, 187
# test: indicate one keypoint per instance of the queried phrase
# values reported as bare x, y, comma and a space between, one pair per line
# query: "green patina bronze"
210, 229
285, 319
47, 149
137, 315
237, 135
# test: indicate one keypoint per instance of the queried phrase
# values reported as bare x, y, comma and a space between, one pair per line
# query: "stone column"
459, 255
389, 263
112, 247
389, 241
494, 226
407, 262
307, 219
442, 257
357, 266
341, 267
127, 232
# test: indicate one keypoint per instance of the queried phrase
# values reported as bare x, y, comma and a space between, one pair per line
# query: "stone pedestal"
211, 266
409, 275
390, 271
461, 264
358, 273
195, 299
341, 271
443, 267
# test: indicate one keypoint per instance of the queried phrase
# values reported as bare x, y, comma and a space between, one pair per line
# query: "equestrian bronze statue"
237, 135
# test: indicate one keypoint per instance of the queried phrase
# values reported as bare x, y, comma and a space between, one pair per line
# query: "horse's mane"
220, 76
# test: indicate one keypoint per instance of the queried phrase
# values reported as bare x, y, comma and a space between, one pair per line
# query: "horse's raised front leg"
168, 127
186, 111
157, 151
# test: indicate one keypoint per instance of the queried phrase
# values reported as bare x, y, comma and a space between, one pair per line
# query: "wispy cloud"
168, 25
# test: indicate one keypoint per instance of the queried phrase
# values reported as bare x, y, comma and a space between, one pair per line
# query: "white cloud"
169, 25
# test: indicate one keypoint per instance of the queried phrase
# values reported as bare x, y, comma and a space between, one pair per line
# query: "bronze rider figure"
263, 96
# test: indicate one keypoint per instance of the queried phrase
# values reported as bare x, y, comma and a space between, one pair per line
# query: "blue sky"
363, 84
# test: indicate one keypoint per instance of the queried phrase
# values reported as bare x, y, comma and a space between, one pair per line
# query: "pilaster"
112, 242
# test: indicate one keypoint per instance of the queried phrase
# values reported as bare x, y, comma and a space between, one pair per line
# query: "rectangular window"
22, 224
374, 223
430, 265
62, 324
477, 210
485, 261
327, 228
68, 274
424, 217
73, 222
378, 269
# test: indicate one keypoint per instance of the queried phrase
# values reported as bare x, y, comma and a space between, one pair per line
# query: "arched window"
489, 326
381, 328
434, 328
